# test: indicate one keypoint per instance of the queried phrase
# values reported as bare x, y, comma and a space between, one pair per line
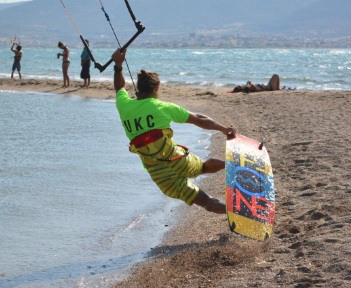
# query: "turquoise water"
75, 205
311, 69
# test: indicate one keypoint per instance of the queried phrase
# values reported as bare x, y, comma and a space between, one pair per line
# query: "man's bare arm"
208, 123
118, 57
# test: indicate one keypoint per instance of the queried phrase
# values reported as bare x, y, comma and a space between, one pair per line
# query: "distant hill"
8, 5
43, 22
326, 18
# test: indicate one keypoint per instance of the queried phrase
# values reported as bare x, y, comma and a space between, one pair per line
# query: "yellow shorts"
172, 177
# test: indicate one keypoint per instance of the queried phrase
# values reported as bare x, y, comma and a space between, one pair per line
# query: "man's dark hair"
147, 81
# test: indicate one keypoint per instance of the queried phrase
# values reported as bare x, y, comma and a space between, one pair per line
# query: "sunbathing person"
273, 84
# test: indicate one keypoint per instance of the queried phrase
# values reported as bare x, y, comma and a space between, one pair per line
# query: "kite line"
139, 26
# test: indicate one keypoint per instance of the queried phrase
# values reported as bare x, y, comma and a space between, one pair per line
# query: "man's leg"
65, 74
209, 203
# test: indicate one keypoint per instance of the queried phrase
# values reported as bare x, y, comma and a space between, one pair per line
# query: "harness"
156, 146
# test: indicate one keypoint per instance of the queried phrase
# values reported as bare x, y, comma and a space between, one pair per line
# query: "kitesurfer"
17, 59
65, 63
146, 121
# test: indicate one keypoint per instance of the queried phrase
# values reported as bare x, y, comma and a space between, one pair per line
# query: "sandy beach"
307, 135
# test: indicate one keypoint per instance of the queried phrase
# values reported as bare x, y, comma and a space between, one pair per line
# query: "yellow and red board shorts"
172, 177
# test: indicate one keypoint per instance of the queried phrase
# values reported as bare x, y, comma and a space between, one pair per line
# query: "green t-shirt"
140, 116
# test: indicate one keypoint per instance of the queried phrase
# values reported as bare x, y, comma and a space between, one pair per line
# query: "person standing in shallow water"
65, 63
17, 59
85, 63
146, 121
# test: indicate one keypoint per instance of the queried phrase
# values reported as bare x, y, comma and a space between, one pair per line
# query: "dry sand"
308, 137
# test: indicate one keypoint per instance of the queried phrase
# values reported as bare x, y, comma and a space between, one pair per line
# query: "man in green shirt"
146, 121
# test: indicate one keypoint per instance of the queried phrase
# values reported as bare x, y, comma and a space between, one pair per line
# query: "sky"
12, 1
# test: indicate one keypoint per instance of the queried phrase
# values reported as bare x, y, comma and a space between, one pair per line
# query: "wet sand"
307, 135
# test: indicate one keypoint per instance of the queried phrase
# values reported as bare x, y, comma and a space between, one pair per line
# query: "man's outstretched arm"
118, 57
208, 123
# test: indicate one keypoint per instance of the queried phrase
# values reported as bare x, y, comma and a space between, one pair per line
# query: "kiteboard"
250, 195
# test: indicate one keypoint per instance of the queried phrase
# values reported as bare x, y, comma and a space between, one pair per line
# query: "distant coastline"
202, 40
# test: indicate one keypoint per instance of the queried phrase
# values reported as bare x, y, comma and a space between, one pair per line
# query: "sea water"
76, 206
310, 69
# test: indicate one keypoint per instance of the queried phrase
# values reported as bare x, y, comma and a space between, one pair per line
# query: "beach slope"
307, 135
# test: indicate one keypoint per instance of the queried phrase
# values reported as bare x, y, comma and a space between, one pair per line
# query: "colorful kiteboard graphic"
250, 193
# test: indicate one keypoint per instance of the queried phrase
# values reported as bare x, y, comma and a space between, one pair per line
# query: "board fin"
232, 226
260, 146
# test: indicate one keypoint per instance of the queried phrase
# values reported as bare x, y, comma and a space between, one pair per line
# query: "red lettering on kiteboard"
230, 197
257, 208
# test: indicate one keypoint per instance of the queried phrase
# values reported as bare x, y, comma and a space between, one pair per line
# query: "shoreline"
307, 136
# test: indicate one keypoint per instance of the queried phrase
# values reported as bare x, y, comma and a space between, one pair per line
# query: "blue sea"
309, 69
77, 209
